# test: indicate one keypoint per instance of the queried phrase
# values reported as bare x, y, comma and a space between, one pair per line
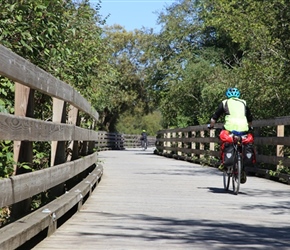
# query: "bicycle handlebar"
209, 127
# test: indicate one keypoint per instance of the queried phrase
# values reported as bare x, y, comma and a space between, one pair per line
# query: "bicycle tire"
227, 180
236, 178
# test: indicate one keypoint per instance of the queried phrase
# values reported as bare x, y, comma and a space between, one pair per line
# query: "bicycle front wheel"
237, 176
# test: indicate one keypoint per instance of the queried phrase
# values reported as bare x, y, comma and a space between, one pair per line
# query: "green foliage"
126, 87
206, 46
134, 124
261, 55
33, 28
62, 37
4, 215
6, 96
41, 155
6, 159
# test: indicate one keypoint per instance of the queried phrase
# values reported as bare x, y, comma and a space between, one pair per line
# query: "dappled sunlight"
192, 232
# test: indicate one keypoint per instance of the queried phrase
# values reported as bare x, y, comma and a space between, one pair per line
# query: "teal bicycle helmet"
233, 92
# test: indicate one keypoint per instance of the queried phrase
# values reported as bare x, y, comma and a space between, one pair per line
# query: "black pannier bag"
228, 154
249, 155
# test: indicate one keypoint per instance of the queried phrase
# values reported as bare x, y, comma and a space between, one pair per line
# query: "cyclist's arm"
217, 114
249, 116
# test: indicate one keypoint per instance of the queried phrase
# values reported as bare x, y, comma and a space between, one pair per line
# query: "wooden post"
164, 143
180, 143
58, 151
193, 144
168, 142
23, 150
211, 134
91, 144
175, 151
58, 147
73, 118
201, 145
52, 224
280, 152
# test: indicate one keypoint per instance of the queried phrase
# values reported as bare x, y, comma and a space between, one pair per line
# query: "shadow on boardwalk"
200, 231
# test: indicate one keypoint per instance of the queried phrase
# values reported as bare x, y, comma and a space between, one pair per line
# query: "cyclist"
238, 118
144, 139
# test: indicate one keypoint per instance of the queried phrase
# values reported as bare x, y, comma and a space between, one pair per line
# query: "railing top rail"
285, 120
22, 71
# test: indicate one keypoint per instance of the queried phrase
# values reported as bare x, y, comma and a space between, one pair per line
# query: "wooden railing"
121, 141
198, 144
74, 169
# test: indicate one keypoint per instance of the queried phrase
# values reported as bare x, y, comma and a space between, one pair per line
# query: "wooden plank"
29, 129
257, 140
189, 129
273, 160
20, 187
191, 139
24, 107
212, 135
192, 151
280, 134
20, 70
22, 150
272, 141
260, 158
74, 119
58, 150
285, 120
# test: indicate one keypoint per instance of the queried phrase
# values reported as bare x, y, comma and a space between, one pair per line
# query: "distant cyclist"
144, 139
238, 117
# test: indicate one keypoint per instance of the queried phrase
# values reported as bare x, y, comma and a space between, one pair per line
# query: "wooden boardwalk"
145, 201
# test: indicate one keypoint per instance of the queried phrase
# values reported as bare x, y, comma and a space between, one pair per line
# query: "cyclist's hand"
209, 126
251, 128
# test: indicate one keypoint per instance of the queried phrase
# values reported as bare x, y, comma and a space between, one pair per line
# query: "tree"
215, 35
188, 59
126, 90
259, 30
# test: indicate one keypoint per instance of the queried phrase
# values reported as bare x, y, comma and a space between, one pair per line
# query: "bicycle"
235, 168
144, 144
234, 171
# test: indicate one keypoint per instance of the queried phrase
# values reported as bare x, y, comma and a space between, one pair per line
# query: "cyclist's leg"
221, 166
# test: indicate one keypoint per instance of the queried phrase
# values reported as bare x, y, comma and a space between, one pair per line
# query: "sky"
133, 14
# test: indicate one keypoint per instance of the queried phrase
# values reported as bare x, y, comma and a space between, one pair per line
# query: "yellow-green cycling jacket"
237, 114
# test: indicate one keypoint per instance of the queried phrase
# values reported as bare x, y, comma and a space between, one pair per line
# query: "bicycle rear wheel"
237, 176
227, 179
